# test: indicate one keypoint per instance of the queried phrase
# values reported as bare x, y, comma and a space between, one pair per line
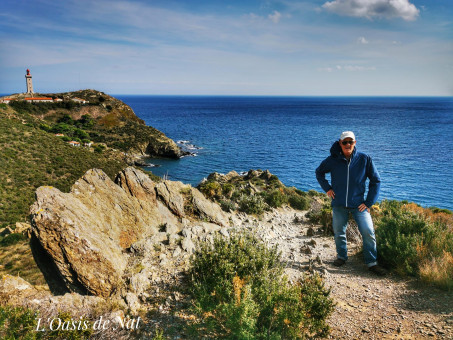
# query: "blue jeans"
365, 223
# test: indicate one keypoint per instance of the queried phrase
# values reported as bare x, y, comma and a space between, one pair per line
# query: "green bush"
99, 148
227, 205
323, 216
11, 239
211, 189
252, 204
227, 189
298, 202
21, 323
238, 284
416, 241
275, 198
18, 323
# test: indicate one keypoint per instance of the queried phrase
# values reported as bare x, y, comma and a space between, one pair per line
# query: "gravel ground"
367, 306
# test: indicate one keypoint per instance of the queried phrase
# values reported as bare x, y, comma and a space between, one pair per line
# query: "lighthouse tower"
29, 82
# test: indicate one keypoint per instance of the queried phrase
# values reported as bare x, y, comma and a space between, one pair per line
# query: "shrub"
45, 127
323, 216
298, 202
276, 198
252, 204
18, 323
212, 189
238, 286
228, 189
11, 239
416, 241
227, 205
99, 148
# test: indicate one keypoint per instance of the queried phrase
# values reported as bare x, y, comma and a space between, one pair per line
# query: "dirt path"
367, 306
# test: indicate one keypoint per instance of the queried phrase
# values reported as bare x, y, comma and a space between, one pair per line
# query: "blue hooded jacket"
349, 178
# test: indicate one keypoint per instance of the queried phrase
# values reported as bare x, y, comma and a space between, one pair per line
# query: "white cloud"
348, 68
275, 17
374, 8
362, 40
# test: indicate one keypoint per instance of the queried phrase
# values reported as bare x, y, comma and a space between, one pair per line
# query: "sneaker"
339, 262
378, 270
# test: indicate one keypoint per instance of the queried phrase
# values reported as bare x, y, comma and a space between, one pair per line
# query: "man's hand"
331, 194
363, 207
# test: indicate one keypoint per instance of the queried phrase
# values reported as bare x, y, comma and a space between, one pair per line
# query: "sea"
410, 139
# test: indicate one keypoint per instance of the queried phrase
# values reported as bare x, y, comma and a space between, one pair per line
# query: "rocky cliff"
102, 229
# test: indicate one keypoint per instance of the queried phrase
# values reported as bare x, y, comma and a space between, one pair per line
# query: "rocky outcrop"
171, 194
91, 231
208, 210
16, 291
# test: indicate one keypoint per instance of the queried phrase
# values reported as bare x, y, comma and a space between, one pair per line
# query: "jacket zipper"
347, 184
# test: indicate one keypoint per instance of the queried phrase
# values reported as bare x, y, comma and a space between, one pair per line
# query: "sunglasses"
345, 142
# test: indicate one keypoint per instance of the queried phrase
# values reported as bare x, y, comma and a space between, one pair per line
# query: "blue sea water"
410, 139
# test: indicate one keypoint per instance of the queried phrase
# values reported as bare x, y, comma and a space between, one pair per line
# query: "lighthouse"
29, 82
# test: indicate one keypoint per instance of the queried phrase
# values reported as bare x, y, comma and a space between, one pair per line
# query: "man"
349, 170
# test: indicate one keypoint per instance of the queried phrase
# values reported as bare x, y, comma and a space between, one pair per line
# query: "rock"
86, 240
139, 162
177, 252
224, 232
6, 231
173, 239
215, 176
23, 228
232, 174
188, 245
15, 291
171, 228
170, 193
310, 232
159, 237
137, 184
10, 285
186, 232
132, 302
163, 146
312, 242
252, 174
210, 227
306, 250
208, 210
266, 175
139, 282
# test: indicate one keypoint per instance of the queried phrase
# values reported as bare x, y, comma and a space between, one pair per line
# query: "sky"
235, 47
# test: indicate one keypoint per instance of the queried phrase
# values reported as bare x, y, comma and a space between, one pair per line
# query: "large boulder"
92, 232
87, 230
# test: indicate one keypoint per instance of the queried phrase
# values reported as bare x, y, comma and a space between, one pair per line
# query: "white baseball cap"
347, 134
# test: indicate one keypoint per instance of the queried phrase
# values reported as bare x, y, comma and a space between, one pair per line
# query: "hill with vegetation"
89, 115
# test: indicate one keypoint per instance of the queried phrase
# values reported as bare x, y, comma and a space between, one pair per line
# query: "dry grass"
438, 270
17, 260
439, 217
